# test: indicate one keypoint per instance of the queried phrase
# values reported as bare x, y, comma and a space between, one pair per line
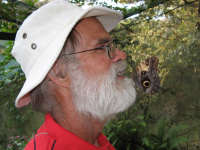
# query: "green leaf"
146, 141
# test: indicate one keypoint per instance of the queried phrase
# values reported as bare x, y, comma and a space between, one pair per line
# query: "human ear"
25, 100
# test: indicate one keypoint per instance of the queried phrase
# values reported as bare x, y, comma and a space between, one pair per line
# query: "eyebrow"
103, 40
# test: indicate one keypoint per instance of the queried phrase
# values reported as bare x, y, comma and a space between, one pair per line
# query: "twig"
144, 9
164, 13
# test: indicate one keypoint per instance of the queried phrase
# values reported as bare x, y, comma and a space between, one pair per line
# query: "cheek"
94, 66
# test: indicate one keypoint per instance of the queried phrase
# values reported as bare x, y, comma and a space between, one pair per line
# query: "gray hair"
42, 97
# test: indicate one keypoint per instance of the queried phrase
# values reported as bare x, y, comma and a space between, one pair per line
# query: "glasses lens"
110, 50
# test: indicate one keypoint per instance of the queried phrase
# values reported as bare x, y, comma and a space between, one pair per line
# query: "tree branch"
150, 18
7, 36
11, 36
140, 9
188, 3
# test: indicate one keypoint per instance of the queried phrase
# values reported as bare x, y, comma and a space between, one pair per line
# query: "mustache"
120, 67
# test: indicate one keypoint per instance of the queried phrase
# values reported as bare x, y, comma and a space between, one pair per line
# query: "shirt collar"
65, 138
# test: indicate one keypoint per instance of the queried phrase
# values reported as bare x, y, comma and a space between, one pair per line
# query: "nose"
119, 55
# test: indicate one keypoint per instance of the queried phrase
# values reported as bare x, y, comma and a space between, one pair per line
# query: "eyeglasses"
110, 48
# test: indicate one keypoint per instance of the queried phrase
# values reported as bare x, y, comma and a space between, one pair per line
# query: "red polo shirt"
51, 136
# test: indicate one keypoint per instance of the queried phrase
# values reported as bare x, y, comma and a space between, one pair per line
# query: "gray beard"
104, 96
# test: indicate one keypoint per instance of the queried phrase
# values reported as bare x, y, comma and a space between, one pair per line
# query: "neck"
83, 126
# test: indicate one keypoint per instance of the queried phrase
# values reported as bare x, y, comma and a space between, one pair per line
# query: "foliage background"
168, 29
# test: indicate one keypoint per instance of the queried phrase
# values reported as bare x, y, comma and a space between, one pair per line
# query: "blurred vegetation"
168, 120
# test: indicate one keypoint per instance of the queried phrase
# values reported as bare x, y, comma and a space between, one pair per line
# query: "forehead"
91, 29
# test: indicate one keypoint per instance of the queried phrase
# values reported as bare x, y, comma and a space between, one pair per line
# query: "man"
74, 74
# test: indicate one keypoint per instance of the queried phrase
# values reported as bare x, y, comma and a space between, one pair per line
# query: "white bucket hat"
42, 35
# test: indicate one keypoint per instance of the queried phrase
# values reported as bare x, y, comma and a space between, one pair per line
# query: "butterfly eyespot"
146, 84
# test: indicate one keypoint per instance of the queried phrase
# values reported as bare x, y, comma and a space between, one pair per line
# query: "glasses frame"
110, 48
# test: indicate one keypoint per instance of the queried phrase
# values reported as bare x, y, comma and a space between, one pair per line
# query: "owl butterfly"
146, 77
